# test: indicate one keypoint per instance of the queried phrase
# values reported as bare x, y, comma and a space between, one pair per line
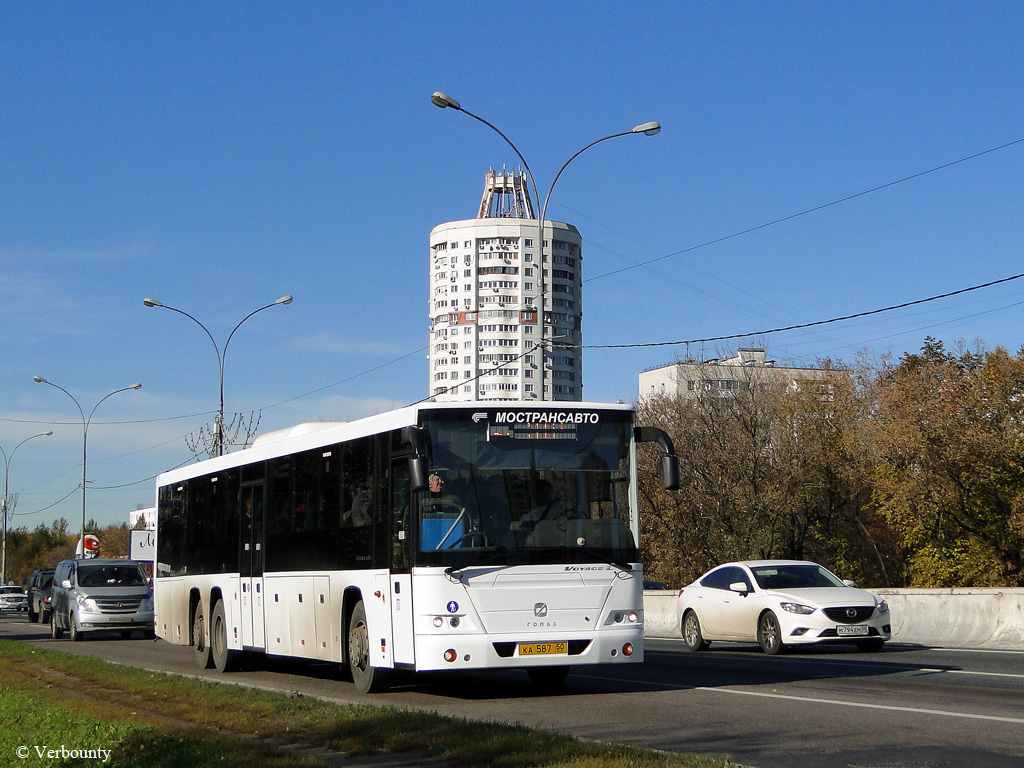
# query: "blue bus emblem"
453, 607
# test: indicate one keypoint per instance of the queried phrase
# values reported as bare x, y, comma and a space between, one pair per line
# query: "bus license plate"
855, 630
537, 649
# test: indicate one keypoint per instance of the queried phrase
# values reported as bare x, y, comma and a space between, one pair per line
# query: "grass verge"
60, 709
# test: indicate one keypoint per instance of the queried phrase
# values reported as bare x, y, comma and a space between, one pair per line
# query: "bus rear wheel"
368, 679
224, 659
200, 639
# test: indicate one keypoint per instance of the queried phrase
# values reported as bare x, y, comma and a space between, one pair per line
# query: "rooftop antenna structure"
506, 196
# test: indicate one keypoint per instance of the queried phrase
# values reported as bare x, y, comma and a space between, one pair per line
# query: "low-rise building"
722, 377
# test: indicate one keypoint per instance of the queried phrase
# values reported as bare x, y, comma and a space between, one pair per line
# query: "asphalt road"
905, 707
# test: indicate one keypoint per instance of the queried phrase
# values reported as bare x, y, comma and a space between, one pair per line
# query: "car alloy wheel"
769, 634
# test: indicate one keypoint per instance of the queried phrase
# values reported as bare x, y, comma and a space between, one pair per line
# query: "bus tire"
548, 677
201, 639
368, 679
224, 659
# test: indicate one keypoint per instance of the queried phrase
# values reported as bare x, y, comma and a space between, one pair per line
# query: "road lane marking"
977, 650
969, 672
894, 666
887, 707
812, 700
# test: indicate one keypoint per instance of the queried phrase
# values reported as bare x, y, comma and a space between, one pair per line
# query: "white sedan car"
779, 603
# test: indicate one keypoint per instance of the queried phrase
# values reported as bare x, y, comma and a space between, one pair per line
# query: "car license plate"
537, 649
854, 630
120, 619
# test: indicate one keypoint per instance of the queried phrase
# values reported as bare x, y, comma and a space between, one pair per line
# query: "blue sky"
218, 157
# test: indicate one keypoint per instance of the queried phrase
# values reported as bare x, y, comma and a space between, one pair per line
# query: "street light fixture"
652, 128
85, 434
221, 356
5, 503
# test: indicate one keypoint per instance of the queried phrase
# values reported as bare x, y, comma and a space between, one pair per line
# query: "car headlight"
797, 608
87, 605
882, 607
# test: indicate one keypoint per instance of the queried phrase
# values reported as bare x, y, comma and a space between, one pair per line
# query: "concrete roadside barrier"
957, 618
950, 618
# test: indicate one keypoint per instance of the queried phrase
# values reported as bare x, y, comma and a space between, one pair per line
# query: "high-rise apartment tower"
487, 282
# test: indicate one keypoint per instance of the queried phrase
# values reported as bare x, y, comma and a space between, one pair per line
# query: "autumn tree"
947, 437
769, 469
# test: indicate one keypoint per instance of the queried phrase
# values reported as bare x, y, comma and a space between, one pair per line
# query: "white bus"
434, 537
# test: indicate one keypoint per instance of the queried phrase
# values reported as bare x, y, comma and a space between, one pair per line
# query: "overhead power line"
815, 209
800, 325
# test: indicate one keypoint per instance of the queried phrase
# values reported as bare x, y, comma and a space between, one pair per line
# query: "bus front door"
253, 631
403, 646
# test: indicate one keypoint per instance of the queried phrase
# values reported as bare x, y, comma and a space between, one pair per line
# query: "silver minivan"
101, 594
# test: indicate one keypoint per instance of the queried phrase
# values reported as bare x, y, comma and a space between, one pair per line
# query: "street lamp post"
85, 435
4, 503
221, 356
444, 101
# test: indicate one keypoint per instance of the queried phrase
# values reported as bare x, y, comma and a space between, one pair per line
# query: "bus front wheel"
368, 679
224, 659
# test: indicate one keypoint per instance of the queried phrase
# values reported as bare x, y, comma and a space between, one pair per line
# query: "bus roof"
309, 435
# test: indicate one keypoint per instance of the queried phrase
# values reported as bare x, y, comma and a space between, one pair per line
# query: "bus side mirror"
670, 472
417, 473
415, 438
669, 460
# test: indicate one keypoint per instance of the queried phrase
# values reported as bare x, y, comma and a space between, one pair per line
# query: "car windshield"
794, 577
126, 575
10, 590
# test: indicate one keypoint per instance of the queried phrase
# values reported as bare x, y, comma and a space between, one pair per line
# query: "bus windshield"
515, 487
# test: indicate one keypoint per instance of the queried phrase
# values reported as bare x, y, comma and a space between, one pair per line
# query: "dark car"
40, 584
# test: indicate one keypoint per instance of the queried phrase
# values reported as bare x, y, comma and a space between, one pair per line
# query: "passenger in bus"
361, 513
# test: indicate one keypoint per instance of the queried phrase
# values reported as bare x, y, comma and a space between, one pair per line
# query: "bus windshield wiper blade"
502, 555
600, 557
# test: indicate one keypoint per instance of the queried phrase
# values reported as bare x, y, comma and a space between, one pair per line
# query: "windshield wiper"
600, 557
455, 571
